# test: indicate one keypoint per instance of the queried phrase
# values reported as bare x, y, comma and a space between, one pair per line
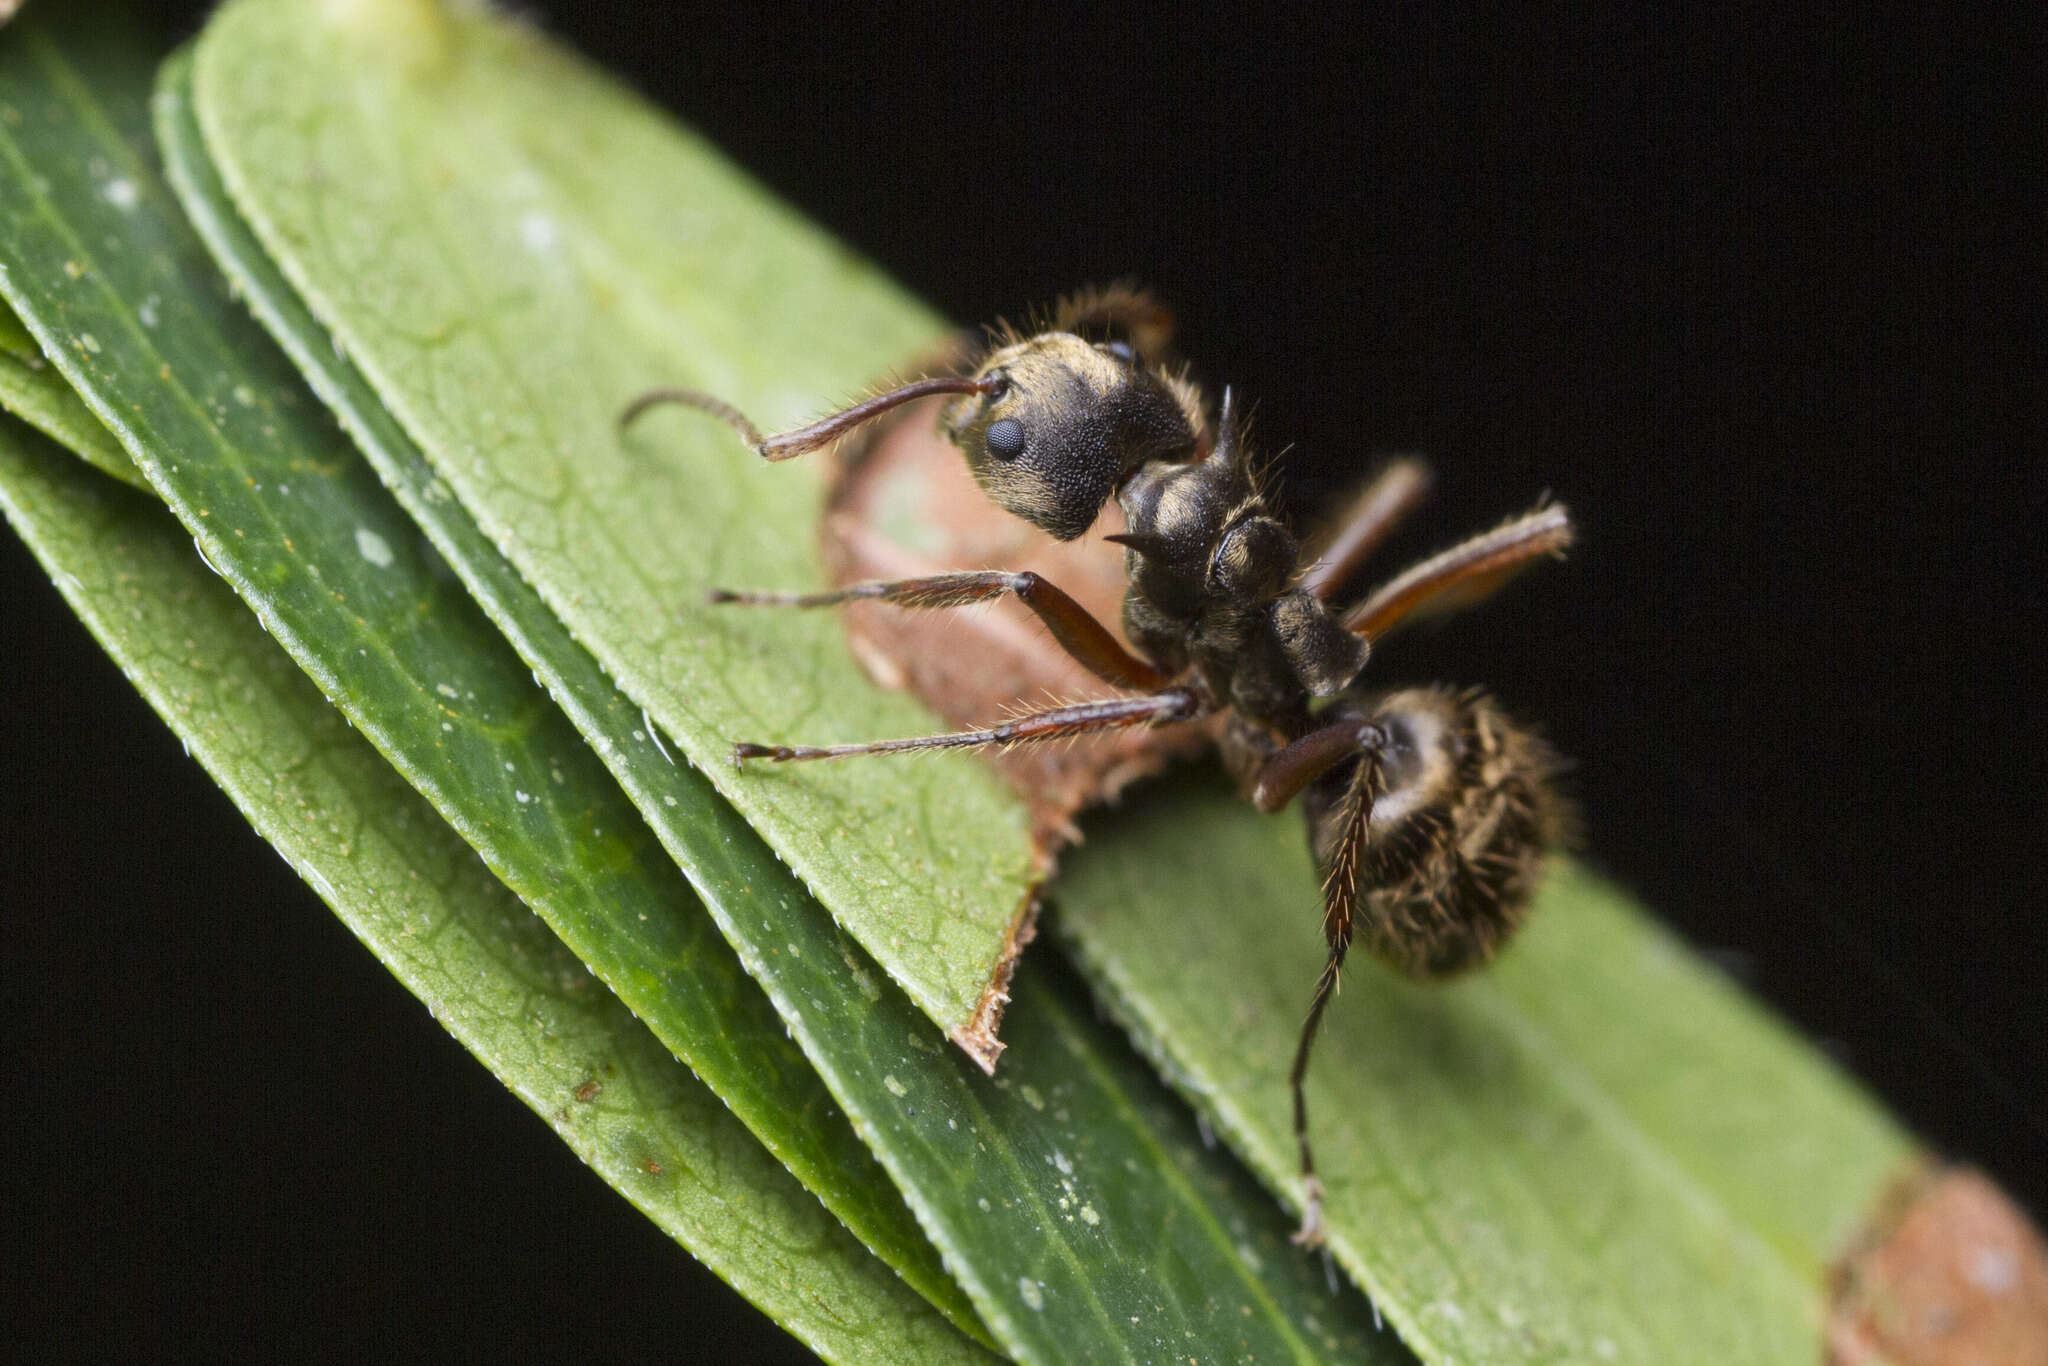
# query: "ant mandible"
1429, 811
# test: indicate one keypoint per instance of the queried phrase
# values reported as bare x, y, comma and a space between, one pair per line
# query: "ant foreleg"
1087, 640
1465, 573
1117, 713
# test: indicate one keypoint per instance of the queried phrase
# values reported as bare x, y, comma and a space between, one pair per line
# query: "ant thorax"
1209, 566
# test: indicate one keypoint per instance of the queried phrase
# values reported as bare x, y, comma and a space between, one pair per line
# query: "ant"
1429, 811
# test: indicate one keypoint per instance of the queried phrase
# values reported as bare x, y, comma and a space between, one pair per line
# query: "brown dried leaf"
1949, 1273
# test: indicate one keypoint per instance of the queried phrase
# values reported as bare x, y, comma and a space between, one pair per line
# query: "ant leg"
1079, 634
1287, 771
1311, 1232
1340, 903
1158, 709
1394, 491
1465, 573
1123, 305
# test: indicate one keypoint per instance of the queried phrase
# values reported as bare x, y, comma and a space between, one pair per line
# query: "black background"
1747, 296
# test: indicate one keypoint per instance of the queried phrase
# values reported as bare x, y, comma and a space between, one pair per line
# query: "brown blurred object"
1949, 1273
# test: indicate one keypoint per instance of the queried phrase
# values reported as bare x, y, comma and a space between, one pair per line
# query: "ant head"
1064, 423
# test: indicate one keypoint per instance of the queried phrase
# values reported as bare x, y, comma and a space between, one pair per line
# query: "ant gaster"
1428, 810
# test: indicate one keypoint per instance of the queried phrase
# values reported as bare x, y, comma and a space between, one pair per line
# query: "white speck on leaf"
121, 193
537, 230
1032, 1291
895, 1087
1032, 1098
373, 547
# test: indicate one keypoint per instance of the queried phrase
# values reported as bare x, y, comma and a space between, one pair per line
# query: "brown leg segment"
1340, 904
1464, 574
1124, 305
1159, 709
1078, 633
1394, 492
1287, 771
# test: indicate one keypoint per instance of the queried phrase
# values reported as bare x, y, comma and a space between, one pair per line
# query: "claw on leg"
1311, 1232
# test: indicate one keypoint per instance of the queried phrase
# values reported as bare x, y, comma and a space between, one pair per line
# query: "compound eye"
1005, 439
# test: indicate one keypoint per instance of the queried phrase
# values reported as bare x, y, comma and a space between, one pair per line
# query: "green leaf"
1070, 1197
1597, 1150
280, 504
15, 341
38, 395
415, 894
511, 247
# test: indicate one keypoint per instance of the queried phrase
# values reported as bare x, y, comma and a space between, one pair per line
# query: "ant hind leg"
1340, 905
1287, 771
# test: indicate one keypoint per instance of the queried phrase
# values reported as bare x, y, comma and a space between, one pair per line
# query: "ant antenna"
823, 432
